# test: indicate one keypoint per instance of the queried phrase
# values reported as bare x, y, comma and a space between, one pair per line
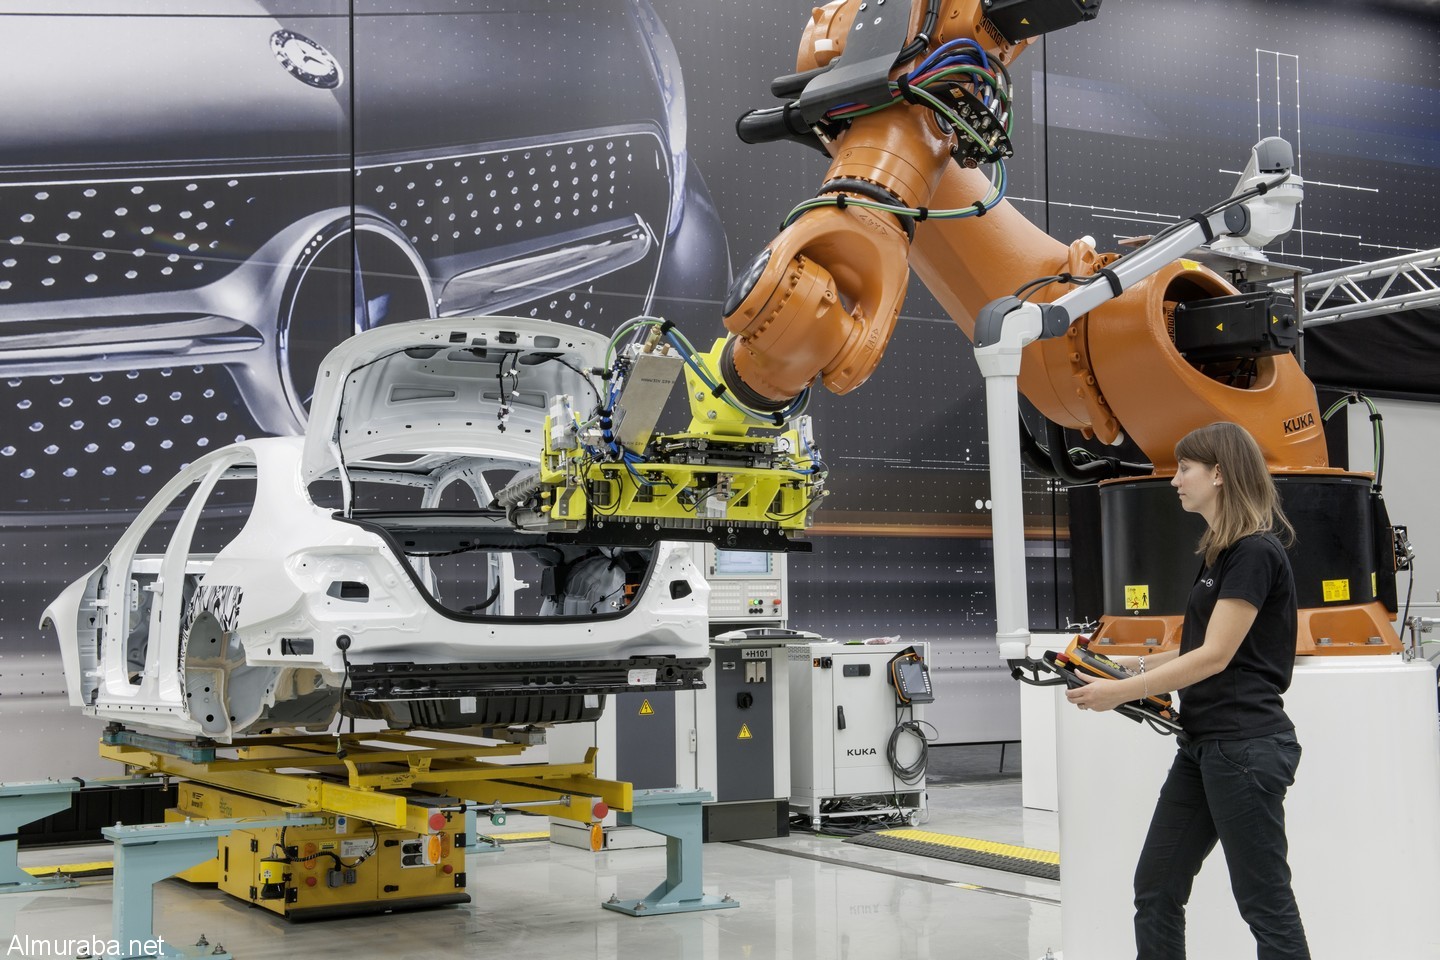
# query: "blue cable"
982, 60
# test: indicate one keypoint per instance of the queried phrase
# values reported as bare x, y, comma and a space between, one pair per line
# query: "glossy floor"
800, 897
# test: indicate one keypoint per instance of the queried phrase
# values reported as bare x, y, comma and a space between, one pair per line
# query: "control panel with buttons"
746, 586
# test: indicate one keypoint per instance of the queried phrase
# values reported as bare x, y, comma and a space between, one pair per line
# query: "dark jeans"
1232, 791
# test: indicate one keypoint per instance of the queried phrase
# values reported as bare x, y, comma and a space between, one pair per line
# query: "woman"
1238, 752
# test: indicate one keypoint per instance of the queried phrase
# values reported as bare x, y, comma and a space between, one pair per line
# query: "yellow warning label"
1374, 585
744, 732
1219, 326
645, 709
1274, 320
1137, 596
1190, 264
1024, 21
1336, 590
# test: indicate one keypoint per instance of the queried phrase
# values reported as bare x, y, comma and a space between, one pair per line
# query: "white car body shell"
254, 641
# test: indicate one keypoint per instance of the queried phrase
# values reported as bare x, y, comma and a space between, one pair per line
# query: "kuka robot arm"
917, 140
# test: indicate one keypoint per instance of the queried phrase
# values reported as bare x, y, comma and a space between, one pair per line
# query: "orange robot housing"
823, 298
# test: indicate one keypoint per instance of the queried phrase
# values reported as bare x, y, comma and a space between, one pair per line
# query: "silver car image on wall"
210, 195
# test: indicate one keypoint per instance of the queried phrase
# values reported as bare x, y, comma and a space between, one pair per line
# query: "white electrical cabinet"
844, 715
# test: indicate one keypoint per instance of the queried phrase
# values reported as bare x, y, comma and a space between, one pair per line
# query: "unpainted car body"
319, 605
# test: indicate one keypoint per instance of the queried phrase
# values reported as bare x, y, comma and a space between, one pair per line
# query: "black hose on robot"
1036, 457
1105, 468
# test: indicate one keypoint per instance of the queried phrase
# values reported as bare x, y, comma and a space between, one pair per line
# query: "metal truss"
1364, 290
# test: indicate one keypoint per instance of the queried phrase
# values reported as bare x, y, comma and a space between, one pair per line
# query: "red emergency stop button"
437, 821
600, 809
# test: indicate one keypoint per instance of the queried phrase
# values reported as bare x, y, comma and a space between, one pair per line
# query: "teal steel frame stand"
145, 854
675, 815
22, 803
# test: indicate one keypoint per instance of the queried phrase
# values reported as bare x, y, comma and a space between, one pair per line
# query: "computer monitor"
742, 563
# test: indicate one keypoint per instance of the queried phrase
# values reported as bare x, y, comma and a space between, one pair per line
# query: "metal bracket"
676, 815
195, 751
862, 73
22, 803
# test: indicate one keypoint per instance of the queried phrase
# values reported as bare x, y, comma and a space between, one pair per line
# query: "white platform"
1039, 789
1364, 835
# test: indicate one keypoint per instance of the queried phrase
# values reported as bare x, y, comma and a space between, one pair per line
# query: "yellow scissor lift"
391, 806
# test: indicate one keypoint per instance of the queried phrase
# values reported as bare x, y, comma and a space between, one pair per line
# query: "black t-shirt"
1243, 700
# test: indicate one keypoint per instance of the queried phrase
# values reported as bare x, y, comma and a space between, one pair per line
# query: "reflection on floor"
801, 897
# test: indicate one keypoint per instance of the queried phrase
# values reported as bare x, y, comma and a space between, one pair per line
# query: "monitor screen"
913, 682
742, 563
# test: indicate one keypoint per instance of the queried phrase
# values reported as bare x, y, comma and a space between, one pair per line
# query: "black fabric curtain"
1395, 355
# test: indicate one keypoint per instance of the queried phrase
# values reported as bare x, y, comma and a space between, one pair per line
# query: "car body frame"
318, 607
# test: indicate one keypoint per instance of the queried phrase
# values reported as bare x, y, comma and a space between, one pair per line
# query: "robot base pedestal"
1364, 838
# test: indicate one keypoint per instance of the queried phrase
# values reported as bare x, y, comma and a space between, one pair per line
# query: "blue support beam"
22, 803
675, 815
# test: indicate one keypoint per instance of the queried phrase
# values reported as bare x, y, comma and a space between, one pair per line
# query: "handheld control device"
911, 678
1078, 661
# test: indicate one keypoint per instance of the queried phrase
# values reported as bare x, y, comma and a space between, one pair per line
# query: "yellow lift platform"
321, 826
391, 806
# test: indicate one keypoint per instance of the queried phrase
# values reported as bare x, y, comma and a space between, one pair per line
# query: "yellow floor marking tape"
69, 868
980, 846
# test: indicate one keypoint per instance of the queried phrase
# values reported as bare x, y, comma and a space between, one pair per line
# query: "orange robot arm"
823, 299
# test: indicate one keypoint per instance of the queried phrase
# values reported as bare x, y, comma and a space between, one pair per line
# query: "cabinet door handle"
839, 718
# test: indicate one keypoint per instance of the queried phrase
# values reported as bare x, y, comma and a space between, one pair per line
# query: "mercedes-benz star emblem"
305, 59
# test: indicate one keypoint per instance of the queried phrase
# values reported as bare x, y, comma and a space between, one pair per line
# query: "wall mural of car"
211, 195
411, 605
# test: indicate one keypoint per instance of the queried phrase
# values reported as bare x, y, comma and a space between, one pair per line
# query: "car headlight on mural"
179, 258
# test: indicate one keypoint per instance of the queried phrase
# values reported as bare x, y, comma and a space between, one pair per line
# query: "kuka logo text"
1295, 424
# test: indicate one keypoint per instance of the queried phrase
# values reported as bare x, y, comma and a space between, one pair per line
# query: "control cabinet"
843, 716
742, 736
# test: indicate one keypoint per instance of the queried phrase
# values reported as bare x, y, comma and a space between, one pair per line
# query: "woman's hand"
1102, 694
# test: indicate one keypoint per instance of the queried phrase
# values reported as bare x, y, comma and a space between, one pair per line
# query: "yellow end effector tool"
738, 477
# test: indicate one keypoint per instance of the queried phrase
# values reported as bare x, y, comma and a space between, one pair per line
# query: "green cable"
815, 203
1377, 434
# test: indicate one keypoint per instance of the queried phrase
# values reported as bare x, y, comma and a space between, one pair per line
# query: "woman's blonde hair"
1247, 502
